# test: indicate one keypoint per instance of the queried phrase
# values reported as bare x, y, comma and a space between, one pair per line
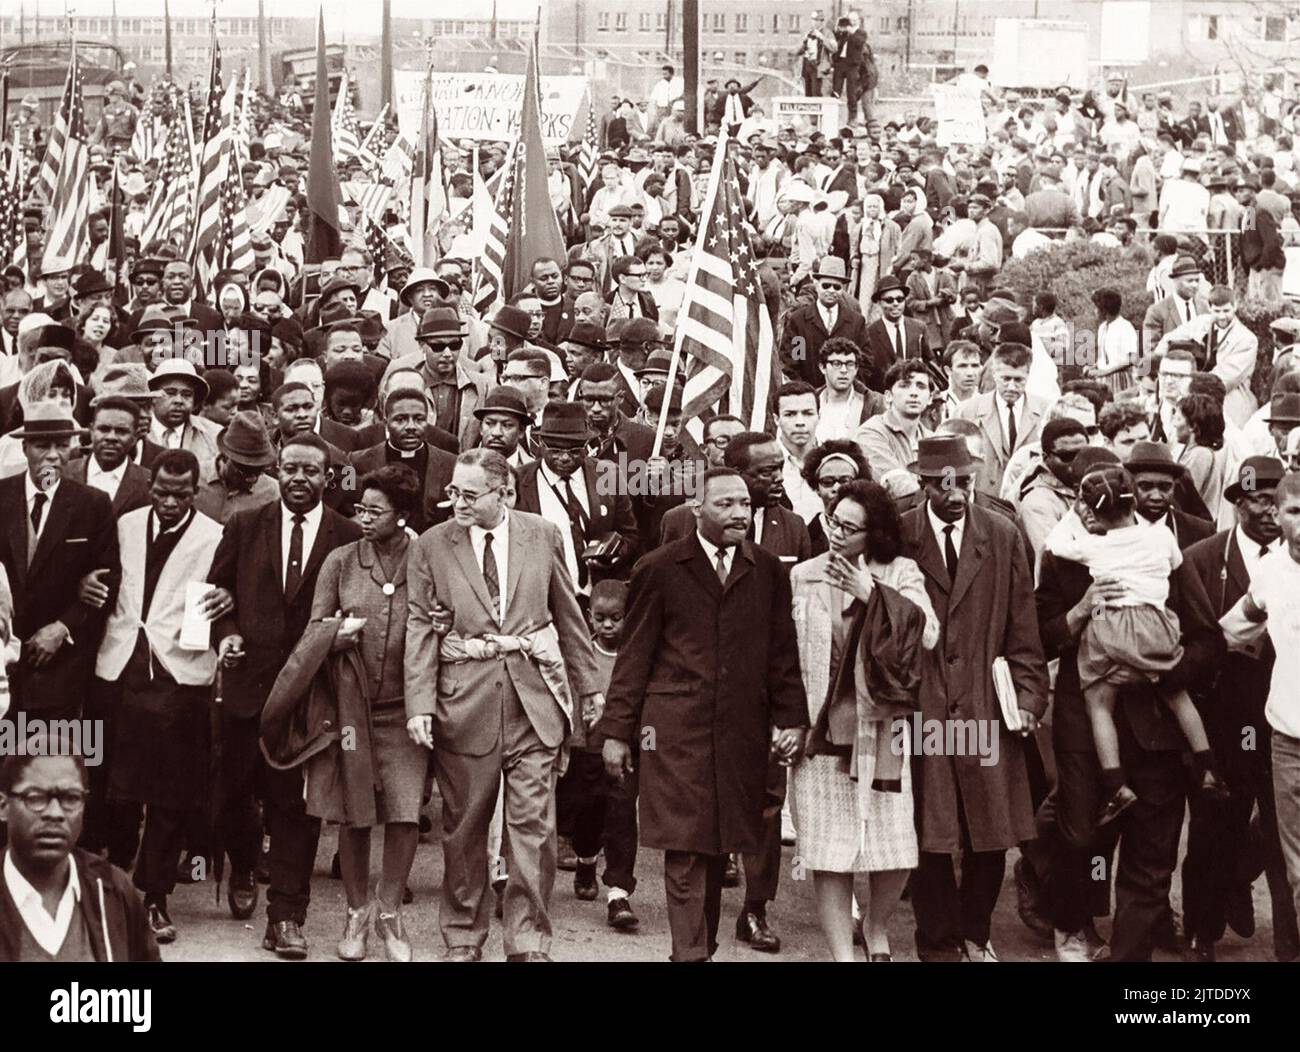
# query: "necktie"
1263, 550
490, 575
1187, 310
950, 552
1011, 429
721, 565
293, 572
1212, 348
578, 524
899, 346
38, 506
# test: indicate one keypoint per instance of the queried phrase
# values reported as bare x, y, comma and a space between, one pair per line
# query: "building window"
661, 21
741, 58
742, 23
602, 22
643, 22
776, 23
795, 23
620, 22
884, 24
718, 23
1212, 27
1274, 29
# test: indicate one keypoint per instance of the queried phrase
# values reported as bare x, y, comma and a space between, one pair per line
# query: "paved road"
207, 932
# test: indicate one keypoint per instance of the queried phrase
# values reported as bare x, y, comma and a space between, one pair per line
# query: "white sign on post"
485, 106
806, 115
959, 116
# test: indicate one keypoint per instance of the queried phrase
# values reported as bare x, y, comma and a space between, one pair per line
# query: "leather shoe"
621, 915
1239, 911
752, 928
879, 957
731, 873
241, 895
164, 931
566, 859
531, 955
584, 882
286, 939
356, 933
463, 955
1027, 901
1199, 949
1168, 935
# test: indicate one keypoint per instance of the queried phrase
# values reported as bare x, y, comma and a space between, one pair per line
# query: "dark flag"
323, 238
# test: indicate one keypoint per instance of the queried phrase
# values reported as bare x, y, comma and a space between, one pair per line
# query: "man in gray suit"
1186, 302
491, 697
1008, 416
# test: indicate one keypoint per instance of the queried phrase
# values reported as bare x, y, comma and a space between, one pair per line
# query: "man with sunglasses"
146, 282
58, 903
1048, 491
808, 326
892, 337
453, 391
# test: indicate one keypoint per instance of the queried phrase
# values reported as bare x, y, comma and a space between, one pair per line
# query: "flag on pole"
371, 198
322, 220
588, 151
234, 249
12, 231
491, 264
398, 160
534, 229
116, 253
49, 171
725, 344
168, 214
346, 139
215, 158
428, 190
69, 214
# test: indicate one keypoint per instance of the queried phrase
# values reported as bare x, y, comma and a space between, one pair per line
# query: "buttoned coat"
983, 410
804, 333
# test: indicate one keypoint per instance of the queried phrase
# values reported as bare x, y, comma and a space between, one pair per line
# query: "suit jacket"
375, 433
880, 349
785, 534
78, 537
248, 563
200, 439
931, 310
132, 491
981, 408
984, 614
803, 333
341, 436
464, 698
708, 670
209, 319
645, 303
1163, 316
610, 512
190, 560
439, 465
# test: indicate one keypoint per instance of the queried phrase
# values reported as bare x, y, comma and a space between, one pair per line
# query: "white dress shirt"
830, 315
803, 497
167, 437
310, 527
711, 551
1005, 413
1276, 588
549, 488
1250, 555
49, 932
31, 490
938, 526
500, 554
839, 418
104, 481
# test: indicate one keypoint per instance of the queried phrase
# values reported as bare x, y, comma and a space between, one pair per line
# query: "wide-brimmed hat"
1153, 456
831, 267
585, 334
124, 380
90, 283
656, 362
158, 318
422, 276
505, 400
48, 420
1255, 474
1183, 266
245, 441
563, 423
440, 323
172, 368
513, 321
939, 456
337, 283
1284, 409
889, 283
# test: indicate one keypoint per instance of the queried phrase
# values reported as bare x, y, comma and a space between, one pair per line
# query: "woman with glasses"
366, 581
855, 815
828, 468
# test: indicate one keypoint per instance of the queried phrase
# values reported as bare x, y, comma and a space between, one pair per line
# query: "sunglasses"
1065, 456
893, 299
443, 345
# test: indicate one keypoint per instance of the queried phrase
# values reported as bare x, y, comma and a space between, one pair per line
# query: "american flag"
348, 141
12, 231
492, 262
371, 198
725, 343
215, 160
381, 247
587, 152
428, 188
398, 160
169, 208
70, 198
234, 248
49, 172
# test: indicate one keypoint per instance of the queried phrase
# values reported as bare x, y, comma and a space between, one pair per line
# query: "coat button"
326, 724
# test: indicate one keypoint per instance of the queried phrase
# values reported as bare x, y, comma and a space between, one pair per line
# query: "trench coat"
703, 676
987, 612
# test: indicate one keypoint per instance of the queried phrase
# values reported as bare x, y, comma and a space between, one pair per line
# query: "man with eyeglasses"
501, 713
809, 325
57, 902
843, 404
1048, 491
630, 298
527, 370
718, 433
613, 434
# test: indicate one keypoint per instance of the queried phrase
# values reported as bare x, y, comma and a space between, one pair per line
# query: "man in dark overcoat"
708, 684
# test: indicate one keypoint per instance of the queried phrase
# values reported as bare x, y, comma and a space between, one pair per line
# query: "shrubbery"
1073, 271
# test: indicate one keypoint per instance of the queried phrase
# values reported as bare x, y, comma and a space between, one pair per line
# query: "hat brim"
562, 439
245, 461
960, 471
409, 288
1235, 492
200, 384
1166, 467
62, 432
483, 411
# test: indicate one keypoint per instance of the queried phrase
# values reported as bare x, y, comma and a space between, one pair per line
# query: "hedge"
1073, 271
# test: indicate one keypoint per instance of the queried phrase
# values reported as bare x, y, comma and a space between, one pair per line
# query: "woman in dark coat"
367, 579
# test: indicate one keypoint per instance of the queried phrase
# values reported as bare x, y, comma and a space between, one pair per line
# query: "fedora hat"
90, 283
563, 424
831, 267
513, 321
58, 336
125, 380
170, 368
889, 283
157, 318
1153, 456
337, 283
440, 323
1183, 266
656, 362
585, 334
423, 276
504, 400
1255, 473
48, 420
245, 441
637, 331
941, 455
1284, 409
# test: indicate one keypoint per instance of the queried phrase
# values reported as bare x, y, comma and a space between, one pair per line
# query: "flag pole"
710, 200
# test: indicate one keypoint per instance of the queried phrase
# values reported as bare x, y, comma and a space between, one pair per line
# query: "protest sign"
959, 116
486, 105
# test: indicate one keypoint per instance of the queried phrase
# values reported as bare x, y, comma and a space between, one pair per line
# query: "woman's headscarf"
243, 299
35, 386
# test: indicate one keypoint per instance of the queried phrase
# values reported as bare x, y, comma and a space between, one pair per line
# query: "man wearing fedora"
561, 486
53, 533
423, 289
893, 336
829, 314
453, 390
1156, 476
1281, 416
179, 392
1221, 860
159, 333
980, 584
504, 420
146, 286
114, 425
239, 480
637, 339
1186, 302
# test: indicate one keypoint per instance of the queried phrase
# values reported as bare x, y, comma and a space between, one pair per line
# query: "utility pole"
167, 37
263, 57
386, 59
113, 24
691, 64
494, 22
668, 29
907, 41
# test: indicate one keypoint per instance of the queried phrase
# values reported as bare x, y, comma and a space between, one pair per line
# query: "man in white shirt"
178, 392
796, 422
1184, 202
109, 467
667, 90
841, 404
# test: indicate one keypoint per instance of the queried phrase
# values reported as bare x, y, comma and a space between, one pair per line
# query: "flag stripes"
492, 262
70, 200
